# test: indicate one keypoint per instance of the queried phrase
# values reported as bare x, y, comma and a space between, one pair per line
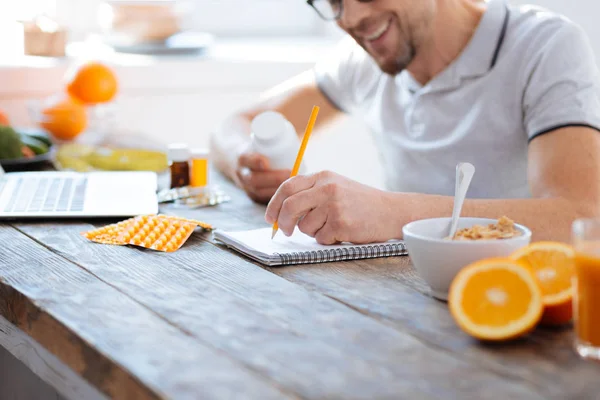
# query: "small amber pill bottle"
199, 174
179, 164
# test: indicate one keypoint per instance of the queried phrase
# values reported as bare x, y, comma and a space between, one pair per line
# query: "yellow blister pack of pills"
156, 232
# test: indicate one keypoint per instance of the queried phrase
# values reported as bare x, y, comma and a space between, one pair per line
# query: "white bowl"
438, 260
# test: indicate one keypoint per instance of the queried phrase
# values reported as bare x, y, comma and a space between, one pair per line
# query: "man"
513, 90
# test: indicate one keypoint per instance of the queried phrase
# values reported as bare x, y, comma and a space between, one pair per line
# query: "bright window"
261, 17
221, 17
26, 9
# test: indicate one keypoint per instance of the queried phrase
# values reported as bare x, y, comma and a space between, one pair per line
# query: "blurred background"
182, 66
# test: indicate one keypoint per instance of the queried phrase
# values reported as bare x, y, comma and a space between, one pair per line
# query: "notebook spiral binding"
349, 253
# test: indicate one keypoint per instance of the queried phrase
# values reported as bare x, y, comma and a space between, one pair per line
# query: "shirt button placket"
417, 124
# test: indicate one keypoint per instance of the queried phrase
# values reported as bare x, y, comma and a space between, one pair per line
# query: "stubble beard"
400, 63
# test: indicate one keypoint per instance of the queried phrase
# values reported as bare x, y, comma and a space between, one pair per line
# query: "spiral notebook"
300, 248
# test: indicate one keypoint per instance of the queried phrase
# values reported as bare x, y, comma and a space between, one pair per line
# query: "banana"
127, 160
87, 158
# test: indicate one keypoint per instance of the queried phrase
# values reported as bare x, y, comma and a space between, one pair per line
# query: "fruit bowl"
66, 121
118, 152
39, 144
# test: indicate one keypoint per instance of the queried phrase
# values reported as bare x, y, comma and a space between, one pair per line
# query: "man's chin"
389, 64
391, 67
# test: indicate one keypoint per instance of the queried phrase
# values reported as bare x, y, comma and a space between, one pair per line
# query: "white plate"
181, 43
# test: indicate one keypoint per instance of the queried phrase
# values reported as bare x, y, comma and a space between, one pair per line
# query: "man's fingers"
287, 189
297, 206
326, 235
261, 195
266, 179
313, 221
242, 175
258, 194
254, 161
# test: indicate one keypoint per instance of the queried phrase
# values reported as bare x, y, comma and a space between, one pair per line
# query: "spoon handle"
464, 174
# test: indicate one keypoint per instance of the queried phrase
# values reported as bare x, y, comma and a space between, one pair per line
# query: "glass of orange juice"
586, 297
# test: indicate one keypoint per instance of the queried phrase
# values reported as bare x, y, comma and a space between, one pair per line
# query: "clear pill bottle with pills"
274, 137
199, 167
179, 164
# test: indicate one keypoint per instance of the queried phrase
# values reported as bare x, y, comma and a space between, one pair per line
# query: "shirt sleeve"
563, 87
347, 75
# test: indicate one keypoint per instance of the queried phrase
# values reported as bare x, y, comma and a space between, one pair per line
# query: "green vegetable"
34, 144
10, 143
35, 133
40, 137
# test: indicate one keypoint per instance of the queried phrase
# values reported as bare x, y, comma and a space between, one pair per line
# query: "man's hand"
332, 208
257, 179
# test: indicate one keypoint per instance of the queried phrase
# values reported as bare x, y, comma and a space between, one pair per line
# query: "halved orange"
495, 299
553, 265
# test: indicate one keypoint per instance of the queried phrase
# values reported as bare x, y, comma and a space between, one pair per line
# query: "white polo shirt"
525, 72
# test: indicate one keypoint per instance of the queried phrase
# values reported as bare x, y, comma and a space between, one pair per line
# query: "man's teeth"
377, 34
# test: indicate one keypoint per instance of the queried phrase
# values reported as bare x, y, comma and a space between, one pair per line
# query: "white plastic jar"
274, 136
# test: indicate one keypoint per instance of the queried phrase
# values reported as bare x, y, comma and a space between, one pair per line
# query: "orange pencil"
307, 132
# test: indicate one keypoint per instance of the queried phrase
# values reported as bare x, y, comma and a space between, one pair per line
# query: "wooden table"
100, 321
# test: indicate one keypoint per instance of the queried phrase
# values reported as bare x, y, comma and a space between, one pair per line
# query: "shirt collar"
480, 54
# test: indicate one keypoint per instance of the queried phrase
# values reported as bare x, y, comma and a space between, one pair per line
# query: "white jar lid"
268, 125
178, 152
200, 152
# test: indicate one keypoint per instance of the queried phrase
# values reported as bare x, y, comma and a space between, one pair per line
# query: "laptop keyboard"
47, 195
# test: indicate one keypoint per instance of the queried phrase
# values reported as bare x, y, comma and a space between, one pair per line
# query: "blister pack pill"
156, 232
190, 197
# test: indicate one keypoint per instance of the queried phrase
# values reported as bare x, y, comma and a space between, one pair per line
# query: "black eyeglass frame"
335, 18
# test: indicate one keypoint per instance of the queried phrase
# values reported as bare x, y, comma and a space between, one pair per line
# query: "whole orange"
93, 83
4, 119
65, 118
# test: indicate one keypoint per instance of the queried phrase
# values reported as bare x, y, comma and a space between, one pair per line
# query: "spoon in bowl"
464, 174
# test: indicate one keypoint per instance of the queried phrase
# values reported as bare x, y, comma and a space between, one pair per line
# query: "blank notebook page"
300, 248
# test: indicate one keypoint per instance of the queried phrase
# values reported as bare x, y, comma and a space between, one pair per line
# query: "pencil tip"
273, 234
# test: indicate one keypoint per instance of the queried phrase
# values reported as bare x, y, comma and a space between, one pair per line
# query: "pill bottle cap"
178, 152
268, 125
200, 152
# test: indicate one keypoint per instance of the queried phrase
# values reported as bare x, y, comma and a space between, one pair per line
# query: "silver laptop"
73, 194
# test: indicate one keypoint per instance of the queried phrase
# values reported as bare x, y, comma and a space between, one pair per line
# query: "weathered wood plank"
41, 375
120, 347
17, 382
545, 358
390, 290
306, 342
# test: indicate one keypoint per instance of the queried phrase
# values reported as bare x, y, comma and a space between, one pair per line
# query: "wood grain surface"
206, 322
272, 326
388, 289
122, 348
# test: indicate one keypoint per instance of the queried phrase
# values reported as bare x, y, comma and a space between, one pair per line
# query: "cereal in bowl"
503, 229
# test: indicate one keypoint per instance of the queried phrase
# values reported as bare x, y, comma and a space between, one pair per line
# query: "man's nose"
354, 11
